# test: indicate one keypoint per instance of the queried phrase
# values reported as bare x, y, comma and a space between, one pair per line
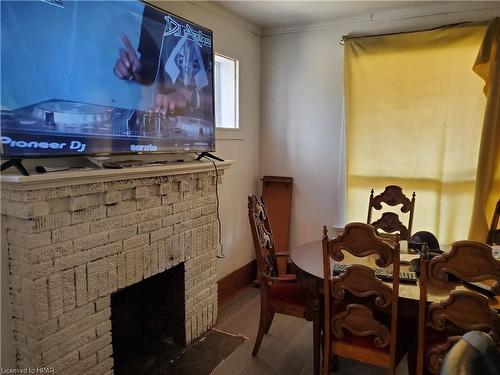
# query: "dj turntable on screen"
174, 56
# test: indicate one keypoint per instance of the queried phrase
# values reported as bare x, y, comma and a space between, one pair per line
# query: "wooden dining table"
308, 258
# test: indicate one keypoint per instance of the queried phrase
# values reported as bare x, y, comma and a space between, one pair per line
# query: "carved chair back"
265, 254
462, 310
494, 233
389, 221
359, 293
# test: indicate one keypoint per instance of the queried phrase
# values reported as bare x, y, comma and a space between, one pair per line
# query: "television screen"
103, 77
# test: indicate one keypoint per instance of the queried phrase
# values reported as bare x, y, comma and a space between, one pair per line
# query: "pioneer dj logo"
73, 145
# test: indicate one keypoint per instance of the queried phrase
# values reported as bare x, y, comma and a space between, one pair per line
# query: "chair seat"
356, 347
288, 276
290, 299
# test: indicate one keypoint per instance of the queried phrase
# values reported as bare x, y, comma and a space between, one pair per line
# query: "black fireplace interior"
148, 327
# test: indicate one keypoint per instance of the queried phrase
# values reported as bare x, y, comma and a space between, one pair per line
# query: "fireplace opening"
148, 323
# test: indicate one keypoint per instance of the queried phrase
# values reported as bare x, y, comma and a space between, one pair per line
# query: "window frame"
225, 132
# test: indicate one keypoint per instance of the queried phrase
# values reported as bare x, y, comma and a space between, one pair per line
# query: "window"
226, 92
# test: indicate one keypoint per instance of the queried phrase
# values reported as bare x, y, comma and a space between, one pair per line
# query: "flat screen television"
103, 77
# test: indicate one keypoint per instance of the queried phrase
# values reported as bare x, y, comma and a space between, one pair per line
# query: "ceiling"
276, 14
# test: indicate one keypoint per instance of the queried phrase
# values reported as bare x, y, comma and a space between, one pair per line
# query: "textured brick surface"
71, 247
112, 197
141, 192
81, 366
79, 203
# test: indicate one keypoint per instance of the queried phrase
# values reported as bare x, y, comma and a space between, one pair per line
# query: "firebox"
148, 320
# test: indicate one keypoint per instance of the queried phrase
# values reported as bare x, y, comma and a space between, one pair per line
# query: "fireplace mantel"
74, 238
66, 178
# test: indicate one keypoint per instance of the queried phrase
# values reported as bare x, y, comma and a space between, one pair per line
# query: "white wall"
302, 103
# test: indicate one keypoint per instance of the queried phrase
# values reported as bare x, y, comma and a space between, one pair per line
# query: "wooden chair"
494, 233
389, 221
442, 324
282, 294
360, 311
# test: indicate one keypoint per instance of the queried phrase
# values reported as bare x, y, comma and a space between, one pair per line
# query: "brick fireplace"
75, 238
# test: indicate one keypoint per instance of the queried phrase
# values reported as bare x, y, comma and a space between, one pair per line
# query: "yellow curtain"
487, 66
413, 118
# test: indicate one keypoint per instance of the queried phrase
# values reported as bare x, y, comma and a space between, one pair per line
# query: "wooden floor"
285, 350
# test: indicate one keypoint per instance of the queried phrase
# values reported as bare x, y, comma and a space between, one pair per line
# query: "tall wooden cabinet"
277, 193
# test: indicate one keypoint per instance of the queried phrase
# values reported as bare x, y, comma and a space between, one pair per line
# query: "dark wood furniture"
308, 259
280, 293
441, 324
389, 221
277, 193
494, 233
360, 311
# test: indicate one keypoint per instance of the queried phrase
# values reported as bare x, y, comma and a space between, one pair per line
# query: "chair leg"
326, 364
270, 317
316, 345
334, 363
330, 364
326, 358
411, 361
263, 325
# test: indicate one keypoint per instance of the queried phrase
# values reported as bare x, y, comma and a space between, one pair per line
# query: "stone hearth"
74, 238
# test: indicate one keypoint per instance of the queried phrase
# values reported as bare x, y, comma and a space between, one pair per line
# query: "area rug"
200, 357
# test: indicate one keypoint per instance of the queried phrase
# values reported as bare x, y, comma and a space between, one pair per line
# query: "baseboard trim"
230, 285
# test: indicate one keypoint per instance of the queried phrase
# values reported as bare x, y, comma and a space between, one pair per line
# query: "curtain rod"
345, 37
